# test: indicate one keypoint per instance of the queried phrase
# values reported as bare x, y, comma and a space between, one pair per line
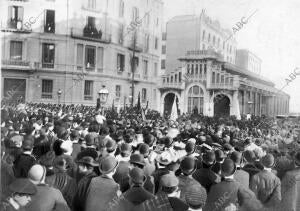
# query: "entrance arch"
168, 103
195, 99
221, 105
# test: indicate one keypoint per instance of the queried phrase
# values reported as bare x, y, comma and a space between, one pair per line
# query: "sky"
272, 33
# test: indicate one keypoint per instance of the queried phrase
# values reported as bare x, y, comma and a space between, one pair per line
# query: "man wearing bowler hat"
186, 181
86, 167
137, 193
240, 175
103, 189
225, 193
24, 161
265, 184
22, 191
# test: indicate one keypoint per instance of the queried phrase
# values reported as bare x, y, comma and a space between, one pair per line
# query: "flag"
143, 115
174, 114
139, 102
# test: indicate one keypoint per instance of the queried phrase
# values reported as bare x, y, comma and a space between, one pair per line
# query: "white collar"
14, 203
267, 169
229, 177
27, 152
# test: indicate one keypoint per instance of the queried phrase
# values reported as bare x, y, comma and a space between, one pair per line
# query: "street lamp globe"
59, 92
103, 94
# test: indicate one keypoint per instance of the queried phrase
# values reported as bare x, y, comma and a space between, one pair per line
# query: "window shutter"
9, 15
79, 55
20, 13
100, 58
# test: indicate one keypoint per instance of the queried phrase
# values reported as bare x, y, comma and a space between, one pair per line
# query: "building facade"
248, 60
77, 47
206, 84
190, 32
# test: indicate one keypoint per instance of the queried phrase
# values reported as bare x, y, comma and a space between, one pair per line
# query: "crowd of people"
74, 157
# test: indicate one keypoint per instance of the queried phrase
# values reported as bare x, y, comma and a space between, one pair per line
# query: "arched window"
195, 99
203, 35
208, 37
213, 79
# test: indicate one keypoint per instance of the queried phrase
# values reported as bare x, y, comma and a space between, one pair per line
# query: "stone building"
79, 46
248, 60
207, 84
191, 32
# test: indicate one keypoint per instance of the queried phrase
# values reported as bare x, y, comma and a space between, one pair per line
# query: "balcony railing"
90, 34
11, 62
230, 86
15, 25
172, 85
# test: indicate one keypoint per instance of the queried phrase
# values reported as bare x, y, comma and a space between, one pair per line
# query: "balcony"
228, 86
138, 47
16, 26
137, 76
172, 85
11, 62
90, 34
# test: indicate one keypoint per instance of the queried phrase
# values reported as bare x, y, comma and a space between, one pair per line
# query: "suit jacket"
185, 183
267, 187
290, 190
100, 192
66, 184
242, 177
82, 190
222, 195
121, 175
206, 178
22, 165
47, 199
137, 195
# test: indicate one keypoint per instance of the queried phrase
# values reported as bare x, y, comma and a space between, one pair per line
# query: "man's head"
86, 165
169, 185
22, 191
37, 174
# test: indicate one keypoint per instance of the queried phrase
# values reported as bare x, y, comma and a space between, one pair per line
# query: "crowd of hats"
224, 140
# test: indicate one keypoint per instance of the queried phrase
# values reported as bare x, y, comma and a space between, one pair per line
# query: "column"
235, 106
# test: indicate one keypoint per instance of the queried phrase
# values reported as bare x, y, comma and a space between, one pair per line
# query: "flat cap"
23, 186
169, 180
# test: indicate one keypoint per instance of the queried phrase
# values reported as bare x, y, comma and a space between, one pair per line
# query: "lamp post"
59, 92
103, 94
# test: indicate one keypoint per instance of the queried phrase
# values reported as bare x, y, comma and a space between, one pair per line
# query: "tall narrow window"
135, 13
47, 89
156, 43
118, 91
163, 49
214, 40
79, 56
90, 57
49, 21
100, 59
163, 64
16, 50
147, 37
120, 62
48, 53
121, 9
144, 95
208, 37
15, 15
145, 67
91, 4
88, 90
203, 35
91, 21
155, 69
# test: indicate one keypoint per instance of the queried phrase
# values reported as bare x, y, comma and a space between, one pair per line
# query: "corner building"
79, 46
202, 75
